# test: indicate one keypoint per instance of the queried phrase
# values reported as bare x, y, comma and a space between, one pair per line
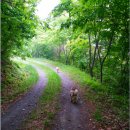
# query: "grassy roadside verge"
17, 78
111, 109
43, 115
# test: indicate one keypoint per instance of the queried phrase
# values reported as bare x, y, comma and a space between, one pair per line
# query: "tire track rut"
71, 116
18, 111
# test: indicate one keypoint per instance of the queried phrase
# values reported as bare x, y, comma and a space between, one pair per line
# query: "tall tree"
18, 22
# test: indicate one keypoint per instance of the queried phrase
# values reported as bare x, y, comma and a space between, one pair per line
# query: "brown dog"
74, 95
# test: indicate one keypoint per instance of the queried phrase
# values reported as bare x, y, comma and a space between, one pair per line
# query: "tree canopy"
92, 35
18, 22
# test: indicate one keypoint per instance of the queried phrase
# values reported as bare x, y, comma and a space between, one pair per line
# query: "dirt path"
19, 110
71, 116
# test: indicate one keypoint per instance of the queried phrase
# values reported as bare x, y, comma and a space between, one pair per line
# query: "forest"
89, 35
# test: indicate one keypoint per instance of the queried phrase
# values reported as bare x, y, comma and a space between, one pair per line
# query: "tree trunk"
101, 65
66, 56
101, 72
93, 62
103, 60
90, 55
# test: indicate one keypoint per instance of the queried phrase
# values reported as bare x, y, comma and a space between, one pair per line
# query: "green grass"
18, 78
48, 103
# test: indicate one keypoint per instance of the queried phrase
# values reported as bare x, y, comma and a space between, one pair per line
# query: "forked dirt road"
70, 117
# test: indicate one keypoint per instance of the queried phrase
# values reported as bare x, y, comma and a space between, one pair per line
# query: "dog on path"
57, 69
74, 95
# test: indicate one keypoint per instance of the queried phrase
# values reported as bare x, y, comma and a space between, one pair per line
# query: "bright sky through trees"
45, 7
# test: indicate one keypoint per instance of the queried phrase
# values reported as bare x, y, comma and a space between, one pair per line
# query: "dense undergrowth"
17, 78
112, 109
48, 105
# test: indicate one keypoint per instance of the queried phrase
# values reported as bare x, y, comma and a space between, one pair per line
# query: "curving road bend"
18, 111
70, 117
